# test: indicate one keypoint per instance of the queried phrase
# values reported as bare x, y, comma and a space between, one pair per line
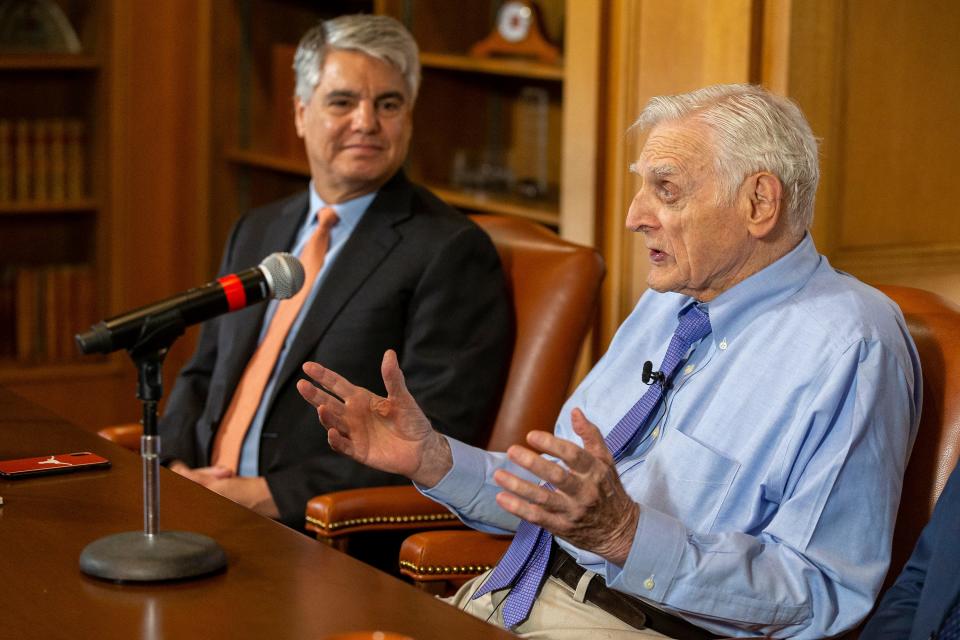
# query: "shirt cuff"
653, 559
463, 482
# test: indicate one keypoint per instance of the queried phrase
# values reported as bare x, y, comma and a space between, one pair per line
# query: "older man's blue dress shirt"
769, 478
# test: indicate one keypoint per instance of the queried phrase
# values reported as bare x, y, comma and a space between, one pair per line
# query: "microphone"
649, 376
280, 276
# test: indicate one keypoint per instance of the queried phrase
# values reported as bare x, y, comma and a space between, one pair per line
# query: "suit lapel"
368, 246
243, 328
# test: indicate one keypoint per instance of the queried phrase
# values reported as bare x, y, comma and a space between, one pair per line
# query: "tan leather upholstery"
125, 435
439, 563
554, 285
935, 326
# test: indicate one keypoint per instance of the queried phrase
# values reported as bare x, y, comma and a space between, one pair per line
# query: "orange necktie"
249, 391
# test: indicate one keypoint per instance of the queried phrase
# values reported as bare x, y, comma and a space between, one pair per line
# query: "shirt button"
689, 369
649, 584
723, 345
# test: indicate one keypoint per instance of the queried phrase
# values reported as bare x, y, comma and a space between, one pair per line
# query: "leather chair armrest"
125, 435
452, 556
402, 508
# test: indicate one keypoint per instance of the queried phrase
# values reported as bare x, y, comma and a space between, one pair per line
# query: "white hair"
380, 37
755, 130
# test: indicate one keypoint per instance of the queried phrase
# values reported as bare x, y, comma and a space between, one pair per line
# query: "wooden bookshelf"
467, 105
82, 206
48, 62
493, 66
269, 161
56, 220
543, 211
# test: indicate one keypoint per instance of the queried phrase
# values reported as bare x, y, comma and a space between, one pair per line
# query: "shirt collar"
349, 211
736, 307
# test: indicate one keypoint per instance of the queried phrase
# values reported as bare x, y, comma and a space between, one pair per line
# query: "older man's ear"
764, 191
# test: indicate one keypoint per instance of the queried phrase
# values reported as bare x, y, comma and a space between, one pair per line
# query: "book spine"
26, 314
8, 324
75, 169
58, 179
22, 168
70, 322
41, 167
6, 160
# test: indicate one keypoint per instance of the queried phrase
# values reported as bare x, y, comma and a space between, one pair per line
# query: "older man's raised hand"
590, 507
391, 434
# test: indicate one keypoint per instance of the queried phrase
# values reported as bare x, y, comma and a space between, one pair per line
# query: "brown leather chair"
125, 435
934, 324
554, 285
439, 561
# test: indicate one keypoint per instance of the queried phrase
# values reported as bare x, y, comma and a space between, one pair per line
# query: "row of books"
42, 160
42, 308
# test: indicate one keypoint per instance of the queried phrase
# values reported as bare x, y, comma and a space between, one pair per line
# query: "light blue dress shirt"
770, 477
350, 213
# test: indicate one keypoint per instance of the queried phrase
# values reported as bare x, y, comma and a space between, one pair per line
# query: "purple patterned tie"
950, 630
524, 564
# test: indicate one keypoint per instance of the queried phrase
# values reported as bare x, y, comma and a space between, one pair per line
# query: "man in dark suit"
399, 269
924, 602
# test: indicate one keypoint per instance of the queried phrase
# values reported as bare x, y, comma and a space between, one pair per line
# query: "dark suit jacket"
415, 276
929, 585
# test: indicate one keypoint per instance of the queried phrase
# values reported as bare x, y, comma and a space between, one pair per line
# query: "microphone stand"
152, 555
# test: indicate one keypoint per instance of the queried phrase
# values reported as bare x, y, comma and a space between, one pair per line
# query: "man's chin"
366, 171
658, 285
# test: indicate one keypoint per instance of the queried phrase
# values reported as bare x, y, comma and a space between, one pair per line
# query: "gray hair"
380, 37
755, 131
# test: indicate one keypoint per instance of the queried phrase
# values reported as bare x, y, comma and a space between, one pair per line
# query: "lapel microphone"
649, 376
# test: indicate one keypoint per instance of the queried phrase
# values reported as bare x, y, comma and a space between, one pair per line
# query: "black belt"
633, 611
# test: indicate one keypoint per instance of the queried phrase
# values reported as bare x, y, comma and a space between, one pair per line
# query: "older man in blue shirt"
749, 486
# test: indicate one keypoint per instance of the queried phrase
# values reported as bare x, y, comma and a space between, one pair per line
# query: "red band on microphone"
233, 289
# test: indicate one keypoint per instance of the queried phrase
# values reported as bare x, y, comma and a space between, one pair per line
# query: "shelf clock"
517, 33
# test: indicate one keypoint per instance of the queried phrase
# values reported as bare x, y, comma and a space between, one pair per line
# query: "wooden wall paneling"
813, 80
659, 47
224, 77
774, 45
158, 233
585, 29
621, 110
898, 214
901, 80
161, 195
583, 80
879, 82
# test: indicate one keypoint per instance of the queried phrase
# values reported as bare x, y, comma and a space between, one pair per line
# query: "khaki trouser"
559, 613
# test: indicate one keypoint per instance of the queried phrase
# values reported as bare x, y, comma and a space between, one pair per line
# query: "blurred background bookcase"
55, 214
185, 111
474, 117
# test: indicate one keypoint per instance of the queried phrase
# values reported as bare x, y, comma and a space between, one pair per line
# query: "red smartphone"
44, 465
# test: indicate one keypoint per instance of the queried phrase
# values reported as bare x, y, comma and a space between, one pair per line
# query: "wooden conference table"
278, 583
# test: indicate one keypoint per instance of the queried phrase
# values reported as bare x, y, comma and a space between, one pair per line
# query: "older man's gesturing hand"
590, 508
391, 434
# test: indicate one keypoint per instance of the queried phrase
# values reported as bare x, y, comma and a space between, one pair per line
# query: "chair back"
554, 285
934, 324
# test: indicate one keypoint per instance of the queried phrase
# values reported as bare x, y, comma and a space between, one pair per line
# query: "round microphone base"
135, 556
